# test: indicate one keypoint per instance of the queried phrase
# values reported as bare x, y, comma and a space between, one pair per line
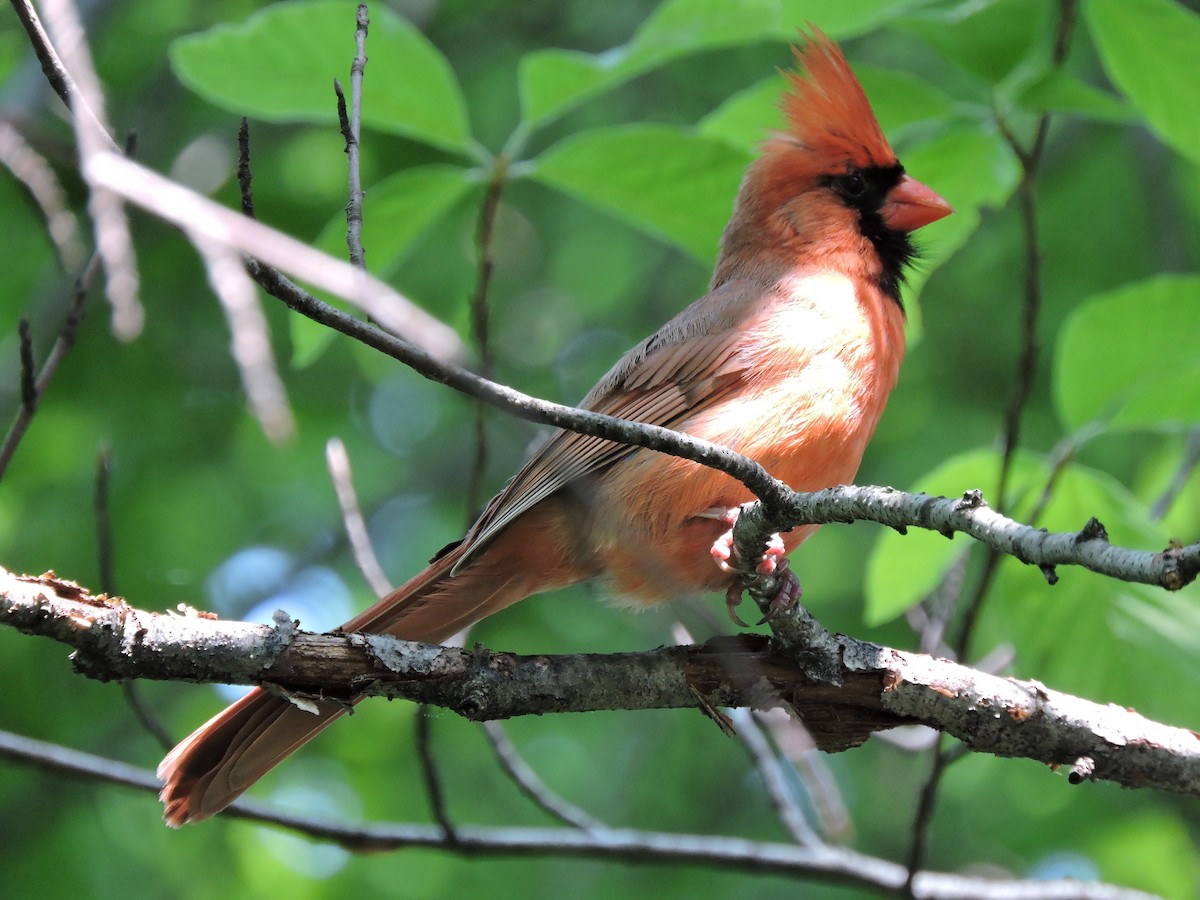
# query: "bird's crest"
827, 109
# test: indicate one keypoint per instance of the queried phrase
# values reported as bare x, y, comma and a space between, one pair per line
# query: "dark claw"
733, 599
785, 598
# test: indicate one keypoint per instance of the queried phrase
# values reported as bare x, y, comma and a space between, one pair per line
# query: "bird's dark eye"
852, 185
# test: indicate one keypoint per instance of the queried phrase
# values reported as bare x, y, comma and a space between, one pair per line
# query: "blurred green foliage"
626, 125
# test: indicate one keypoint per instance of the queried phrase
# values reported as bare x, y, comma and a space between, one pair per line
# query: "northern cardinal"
788, 359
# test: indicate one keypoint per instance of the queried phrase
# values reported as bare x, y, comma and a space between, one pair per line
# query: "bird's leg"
771, 563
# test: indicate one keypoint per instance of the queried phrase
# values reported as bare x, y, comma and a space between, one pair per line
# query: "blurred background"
626, 153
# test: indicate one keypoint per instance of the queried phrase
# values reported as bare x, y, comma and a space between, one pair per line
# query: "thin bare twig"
29, 168
104, 540
52, 67
480, 325
1030, 161
200, 216
108, 585
1179, 480
336, 457
354, 215
430, 776
926, 803
351, 125
113, 240
931, 617
245, 176
766, 762
1061, 456
250, 339
338, 461
618, 845
796, 744
33, 390
532, 785
746, 726
63, 343
29, 394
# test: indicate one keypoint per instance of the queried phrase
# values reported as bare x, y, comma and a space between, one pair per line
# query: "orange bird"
788, 359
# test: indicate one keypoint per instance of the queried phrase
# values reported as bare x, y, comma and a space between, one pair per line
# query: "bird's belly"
654, 530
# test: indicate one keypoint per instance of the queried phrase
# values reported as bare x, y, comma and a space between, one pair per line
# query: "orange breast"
822, 362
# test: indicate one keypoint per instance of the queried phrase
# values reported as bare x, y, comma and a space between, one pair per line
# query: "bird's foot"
771, 563
725, 556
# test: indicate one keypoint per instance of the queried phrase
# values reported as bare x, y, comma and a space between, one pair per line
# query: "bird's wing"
657, 383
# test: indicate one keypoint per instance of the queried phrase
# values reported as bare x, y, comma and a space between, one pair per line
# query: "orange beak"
910, 205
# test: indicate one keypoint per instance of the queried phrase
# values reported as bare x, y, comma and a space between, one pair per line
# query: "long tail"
230, 752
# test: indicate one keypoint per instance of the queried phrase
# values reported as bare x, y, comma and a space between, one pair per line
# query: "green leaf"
551, 82
972, 168
13, 46
969, 166
668, 182
988, 39
1151, 849
900, 98
397, 212
1063, 93
748, 116
309, 339
280, 63
1148, 48
904, 569
1129, 357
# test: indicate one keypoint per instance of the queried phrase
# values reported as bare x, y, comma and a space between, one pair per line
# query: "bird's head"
830, 183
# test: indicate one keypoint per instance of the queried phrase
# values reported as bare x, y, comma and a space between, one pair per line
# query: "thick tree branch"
874, 687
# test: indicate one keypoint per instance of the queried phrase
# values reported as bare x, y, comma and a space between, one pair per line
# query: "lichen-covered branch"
1172, 568
873, 688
